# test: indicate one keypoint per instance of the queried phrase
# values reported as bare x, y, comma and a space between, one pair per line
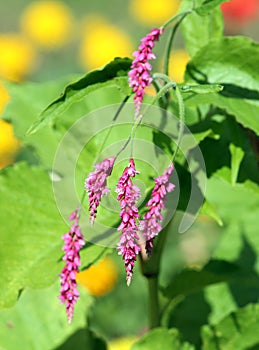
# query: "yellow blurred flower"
99, 279
121, 343
177, 65
17, 57
9, 144
47, 23
4, 98
153, 12
102, 42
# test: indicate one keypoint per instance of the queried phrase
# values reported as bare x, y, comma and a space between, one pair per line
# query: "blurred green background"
42, 40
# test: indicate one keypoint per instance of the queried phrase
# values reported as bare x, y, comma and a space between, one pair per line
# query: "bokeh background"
45, 40
42, 40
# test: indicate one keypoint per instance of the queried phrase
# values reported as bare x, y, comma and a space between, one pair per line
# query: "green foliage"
209, 22
208, 5
74, 92
37, 307
216, 271
240, 96
31, 244
237, 331
162, 339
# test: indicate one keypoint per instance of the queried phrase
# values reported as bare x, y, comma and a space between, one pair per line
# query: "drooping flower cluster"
150, 226
73, 242
128, 194
96, 185
139, 75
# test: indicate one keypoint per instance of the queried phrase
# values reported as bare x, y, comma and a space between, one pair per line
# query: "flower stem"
170, 42
113, 121
150, 270
177, 16
154, 310
181, 118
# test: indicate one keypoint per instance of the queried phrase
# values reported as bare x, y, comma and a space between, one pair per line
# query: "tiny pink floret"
128, 194
150, 225
73, 242
96, 185
139, 75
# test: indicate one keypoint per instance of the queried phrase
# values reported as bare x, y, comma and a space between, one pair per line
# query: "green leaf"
39, 312
74, 92
238, 331
208, 209
208, 5
30, 232
216, 271
240, 96
162, 339
237, 155
210, 27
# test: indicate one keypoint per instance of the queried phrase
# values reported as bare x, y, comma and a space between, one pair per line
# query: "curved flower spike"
128, 194
150, 226
139, 75
96, 185
73, 242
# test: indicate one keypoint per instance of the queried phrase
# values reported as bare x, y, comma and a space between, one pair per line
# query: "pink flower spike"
139, 75
96, 185
128, 194
73, 242
150, 226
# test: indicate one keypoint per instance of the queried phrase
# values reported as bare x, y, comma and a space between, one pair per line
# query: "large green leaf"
238, 331
199, 29
112, 73
31, 230
231, 62
162, 339
38, 321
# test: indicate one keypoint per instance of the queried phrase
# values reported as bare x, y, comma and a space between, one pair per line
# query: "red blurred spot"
240, 11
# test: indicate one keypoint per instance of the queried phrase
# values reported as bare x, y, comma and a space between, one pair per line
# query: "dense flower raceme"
139, 75
96, 184
128, 194
150, 226
73, 242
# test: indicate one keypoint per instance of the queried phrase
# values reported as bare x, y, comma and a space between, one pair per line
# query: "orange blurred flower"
47, 23
102, 42
99, 279
17, 57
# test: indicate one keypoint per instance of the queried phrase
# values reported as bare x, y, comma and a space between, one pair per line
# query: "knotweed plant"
137, 232
132, 228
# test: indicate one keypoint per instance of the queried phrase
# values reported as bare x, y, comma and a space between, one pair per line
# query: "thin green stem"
181, 119
170, 43
150, 270
154, 311
113, 121
137, 122
176, 17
